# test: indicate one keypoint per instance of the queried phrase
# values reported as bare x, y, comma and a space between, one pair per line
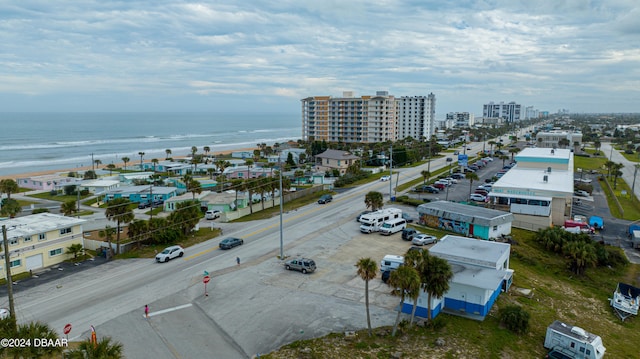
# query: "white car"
452, 180
477, 197
385, 178
212, 214
169, 253
422, 239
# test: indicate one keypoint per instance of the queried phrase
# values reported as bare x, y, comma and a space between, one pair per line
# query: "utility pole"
7, 263
78, 201
633, 187
390, 170
93, 167
151, 199
281, 210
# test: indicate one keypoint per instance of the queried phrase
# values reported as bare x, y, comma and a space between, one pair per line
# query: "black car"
426, 188
230, 242
143, 205
408, 233
385, 276
325, 198
157, 203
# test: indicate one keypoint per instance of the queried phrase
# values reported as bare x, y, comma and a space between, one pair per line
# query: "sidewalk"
628, 169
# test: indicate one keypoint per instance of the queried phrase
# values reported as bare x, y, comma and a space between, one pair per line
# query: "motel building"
39, 241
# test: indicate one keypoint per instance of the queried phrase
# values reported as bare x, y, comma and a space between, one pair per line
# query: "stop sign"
67, 329
206, 279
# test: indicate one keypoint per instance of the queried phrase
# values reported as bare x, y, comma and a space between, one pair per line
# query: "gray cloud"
134, 55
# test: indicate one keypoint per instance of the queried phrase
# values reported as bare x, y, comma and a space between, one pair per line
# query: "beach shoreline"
65, 171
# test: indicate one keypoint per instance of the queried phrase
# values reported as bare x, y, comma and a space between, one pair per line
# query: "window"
27, 239
495, 228
15, 263
65, 230
13, 241
42, 236
55, 252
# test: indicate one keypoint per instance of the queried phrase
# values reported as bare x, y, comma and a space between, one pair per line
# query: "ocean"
31, 142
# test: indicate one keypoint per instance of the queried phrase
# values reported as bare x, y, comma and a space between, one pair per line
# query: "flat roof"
466, 213
470, 251
38, 223
530, 182
478, 277
549, 154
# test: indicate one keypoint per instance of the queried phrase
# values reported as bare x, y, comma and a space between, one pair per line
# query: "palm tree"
491, 143
437, 275
513, 151
609, 164
581, 255
75, 249
8, 186
118, 210
155, 163
111, 167
206, 150
471, 176
373, 200
97, 163
248, 162
168, 152
406, 280
194, 149
141, 154
69, 207
503, 158
616, 173
597, 145
103, 349
107, 233
367, 270
415, 259
125, 160
425, 175
35, 330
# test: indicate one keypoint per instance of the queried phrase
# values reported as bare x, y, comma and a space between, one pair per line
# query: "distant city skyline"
259, 56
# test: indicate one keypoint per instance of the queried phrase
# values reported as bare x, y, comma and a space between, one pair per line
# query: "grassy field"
557, 294
60, 198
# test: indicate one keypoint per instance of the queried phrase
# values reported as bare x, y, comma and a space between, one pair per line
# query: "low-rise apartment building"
39, 241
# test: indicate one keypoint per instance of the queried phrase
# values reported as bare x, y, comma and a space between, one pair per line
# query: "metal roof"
465, 213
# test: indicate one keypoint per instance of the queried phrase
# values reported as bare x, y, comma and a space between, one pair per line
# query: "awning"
508, 195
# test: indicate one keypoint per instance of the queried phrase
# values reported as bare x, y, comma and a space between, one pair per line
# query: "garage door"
34, 262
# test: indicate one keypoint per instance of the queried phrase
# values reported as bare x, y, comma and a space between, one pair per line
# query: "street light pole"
281, 205
633, 186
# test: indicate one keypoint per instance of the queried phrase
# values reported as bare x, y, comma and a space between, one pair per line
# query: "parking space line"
168, 310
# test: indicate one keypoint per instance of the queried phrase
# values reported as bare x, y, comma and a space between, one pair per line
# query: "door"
34, 262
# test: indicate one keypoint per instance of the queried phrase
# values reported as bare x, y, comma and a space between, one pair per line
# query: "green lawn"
60, 197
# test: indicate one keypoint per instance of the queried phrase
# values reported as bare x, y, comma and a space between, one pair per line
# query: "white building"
480, 273
551, 139
509, 112
461, 119
416, 116
40, 240
531, 113
538, 190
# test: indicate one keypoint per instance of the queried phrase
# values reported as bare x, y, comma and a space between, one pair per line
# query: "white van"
393, 226
391, 262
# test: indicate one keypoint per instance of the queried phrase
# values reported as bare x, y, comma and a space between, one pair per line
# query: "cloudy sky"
225, 55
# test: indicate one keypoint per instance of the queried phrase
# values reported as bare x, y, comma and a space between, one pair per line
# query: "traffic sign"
206, 273
206, 279
67, 329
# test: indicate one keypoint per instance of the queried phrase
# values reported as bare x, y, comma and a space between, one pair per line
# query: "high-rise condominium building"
509, 112
367, 119
416, 116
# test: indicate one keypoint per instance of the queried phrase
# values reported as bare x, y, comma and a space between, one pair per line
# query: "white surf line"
151, 314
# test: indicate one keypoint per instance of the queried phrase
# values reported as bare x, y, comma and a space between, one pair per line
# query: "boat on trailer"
625, 301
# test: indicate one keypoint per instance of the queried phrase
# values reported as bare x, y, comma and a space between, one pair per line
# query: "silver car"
304, 265
170, 253
423, 239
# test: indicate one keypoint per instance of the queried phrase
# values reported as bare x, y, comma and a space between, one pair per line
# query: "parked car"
157, 203
230, 242
477, 197
385, 275
488, 159
482, 192
474, 167
467, 170
325, 198
426, 188
143, 205
457, 176
423, 239
408, 233
414, 248
407, 217
304, 265
452, 180
169, 253
443, 182
385, 178
212, 214
581, 193
439, 186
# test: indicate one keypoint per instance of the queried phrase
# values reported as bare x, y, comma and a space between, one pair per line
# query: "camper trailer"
371, 222
391, 262
573, 342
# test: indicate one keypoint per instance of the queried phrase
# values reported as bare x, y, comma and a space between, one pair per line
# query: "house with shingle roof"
330, 160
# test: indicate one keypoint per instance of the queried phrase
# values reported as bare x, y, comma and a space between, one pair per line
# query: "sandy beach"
132, 163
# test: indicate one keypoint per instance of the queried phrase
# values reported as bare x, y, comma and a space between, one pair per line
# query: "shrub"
515, 318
